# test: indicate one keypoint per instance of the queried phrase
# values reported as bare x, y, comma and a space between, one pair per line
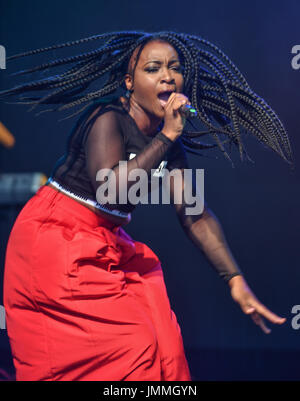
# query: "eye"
177, 68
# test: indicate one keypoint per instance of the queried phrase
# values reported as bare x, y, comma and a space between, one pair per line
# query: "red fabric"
84, 301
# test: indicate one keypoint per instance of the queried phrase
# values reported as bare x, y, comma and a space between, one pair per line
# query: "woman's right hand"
173, 120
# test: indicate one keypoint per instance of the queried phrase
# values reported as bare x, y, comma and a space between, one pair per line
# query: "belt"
88, 201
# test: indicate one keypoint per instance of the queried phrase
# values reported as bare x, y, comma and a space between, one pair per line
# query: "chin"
160, 112
160, 115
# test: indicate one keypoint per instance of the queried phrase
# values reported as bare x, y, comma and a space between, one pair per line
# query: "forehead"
157, 51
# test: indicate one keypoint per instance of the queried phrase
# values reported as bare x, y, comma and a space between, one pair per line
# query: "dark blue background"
258, 205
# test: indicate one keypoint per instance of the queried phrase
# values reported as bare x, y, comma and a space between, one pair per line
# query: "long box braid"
223, 99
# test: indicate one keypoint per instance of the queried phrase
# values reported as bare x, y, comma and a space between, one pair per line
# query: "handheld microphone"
187, 111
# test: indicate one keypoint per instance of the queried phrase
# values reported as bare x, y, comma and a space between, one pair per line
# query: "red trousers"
84, 301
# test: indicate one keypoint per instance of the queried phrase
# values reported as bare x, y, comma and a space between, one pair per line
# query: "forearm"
207, 234
125, 174
151, 155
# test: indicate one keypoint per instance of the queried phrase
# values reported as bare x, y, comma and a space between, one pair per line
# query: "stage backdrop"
257, 204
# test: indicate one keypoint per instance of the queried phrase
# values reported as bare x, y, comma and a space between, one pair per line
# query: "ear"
128, 81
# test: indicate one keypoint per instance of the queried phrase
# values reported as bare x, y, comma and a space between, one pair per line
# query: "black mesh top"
104, 135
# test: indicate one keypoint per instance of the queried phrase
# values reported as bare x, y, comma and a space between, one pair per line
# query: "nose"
167, 75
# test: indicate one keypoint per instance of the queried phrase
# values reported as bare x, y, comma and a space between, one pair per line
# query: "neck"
147, 124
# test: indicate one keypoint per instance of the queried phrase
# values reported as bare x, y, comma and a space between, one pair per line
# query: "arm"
206, 233
104, 148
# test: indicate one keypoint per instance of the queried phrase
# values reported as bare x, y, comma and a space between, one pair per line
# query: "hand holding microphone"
177, 109
187, 111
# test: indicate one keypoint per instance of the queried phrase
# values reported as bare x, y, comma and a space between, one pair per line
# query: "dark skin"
158, 68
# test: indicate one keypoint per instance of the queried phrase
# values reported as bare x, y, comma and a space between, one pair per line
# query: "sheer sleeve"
204, 230
105, 148
177, 158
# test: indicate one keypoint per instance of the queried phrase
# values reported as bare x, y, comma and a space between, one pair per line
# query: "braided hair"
224, 102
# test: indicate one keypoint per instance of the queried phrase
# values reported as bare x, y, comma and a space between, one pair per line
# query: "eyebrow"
160, 62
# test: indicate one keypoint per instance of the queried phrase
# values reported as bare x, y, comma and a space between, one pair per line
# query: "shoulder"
104, 119
101, 107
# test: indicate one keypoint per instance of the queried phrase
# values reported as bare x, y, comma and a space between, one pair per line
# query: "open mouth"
163, 97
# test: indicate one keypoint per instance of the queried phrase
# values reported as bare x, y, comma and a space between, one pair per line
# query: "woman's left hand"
249, 304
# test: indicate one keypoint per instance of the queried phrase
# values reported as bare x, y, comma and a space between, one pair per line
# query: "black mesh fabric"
107, 134
206, 232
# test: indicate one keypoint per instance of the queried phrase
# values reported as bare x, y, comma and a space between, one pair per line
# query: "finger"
260, 322
272, 317
249, 309
178, 103
170, 101
177, 99
184, 98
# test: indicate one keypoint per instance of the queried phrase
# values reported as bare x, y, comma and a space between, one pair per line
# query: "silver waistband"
91, 202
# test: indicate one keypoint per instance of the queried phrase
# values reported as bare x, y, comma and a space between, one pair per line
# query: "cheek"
180, 83
147, 84
146, 89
